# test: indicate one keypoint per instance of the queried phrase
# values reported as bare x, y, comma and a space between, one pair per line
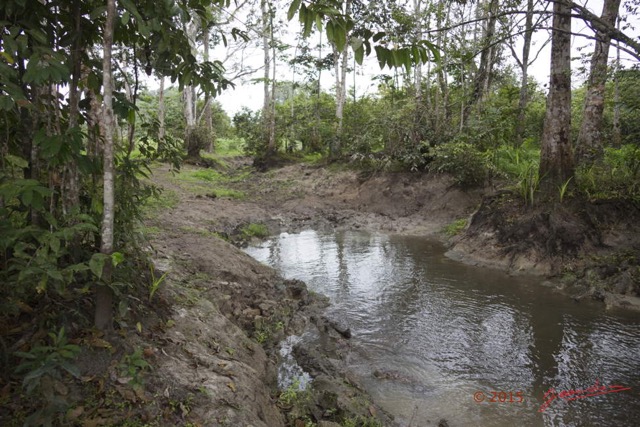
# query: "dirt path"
303, 196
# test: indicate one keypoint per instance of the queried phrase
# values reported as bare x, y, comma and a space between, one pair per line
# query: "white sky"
247, 94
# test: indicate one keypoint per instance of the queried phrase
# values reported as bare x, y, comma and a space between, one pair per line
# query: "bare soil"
236, 302
228, 312
209, 337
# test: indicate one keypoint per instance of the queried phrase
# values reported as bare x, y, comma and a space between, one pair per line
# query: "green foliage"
528, 183
155, 281
617, 176
455, 227
294, 395
43, 366
513, 162
468, 166
248, 126
198, 139
48, 360
229, 147
133, 366
254, 230
360, 421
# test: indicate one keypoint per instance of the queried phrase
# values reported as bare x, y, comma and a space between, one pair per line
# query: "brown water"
445, 331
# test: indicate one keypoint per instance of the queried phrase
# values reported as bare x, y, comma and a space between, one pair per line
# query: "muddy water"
441, 334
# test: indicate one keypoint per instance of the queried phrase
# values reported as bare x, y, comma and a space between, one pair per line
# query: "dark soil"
593, 249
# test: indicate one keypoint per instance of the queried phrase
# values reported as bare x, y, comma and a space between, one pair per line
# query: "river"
472, 345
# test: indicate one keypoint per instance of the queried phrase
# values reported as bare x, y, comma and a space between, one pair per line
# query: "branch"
609, 30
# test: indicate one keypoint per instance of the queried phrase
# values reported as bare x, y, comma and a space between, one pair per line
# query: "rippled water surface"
443, 332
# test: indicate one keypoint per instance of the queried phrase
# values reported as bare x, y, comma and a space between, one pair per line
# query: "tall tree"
104, 294
589, 144
556, 156
341, 59
268, 108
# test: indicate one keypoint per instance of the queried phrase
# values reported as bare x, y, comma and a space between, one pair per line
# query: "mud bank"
229, 312
228, 315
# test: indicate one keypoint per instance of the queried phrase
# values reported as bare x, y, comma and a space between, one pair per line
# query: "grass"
254, 230
229, 147
210, 181
199, 231
168, 199
455, 227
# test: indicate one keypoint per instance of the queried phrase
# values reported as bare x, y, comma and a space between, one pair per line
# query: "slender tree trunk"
272, 104
161, 111
617, 132
487, 57
208, 118
104, 294
267, 120
71, 177
341, 63
524, 66
556, 157
589, 144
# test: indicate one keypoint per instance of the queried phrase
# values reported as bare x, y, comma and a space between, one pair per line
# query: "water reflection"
447, 331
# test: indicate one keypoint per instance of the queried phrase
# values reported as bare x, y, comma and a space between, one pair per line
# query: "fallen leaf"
60, 388
232, 386
98, 342
373, 411
74, 414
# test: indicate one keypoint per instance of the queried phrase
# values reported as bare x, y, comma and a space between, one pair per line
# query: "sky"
249, 94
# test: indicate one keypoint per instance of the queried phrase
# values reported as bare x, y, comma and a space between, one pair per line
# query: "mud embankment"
229, 312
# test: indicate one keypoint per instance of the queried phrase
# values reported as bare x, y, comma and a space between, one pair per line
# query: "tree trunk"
71, 182
267, 120
556, 157
589, 144
272, 105
524, 66
487, 57
617, 131
341, 59
208, 119
161, 111
104, 294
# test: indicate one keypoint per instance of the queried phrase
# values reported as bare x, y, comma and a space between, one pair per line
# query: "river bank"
202, 210
202, 348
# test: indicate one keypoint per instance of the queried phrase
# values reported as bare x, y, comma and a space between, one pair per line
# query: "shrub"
196, 140
617, 176
468, 166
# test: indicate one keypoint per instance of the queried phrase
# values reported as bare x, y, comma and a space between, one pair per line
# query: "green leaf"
54, 243
293, 9
125, 17
330, 31
97, 12
359, 54
16, 161
55, 274
96, 264
381, 55
378, 36
117, 258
